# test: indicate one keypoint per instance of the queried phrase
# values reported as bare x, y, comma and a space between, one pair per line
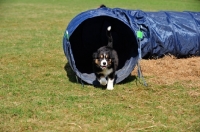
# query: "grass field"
37, 95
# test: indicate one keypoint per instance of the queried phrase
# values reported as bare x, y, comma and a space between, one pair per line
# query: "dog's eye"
106, 56
101, 56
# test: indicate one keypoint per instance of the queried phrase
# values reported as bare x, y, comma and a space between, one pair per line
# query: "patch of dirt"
169, 70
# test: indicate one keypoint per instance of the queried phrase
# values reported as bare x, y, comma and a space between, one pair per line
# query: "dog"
105, 62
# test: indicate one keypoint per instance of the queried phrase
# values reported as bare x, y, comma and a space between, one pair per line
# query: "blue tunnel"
164, 32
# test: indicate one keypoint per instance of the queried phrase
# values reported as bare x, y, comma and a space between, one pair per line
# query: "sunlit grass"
36, 93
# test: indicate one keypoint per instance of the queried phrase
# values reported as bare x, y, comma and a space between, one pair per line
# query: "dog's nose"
104, 63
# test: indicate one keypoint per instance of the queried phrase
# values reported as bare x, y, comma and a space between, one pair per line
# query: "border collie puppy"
105, 62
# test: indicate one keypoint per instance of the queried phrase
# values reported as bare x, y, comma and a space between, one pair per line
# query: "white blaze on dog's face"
104, 60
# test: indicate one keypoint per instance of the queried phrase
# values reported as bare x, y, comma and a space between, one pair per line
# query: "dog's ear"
114, 57
94, 56
95, 60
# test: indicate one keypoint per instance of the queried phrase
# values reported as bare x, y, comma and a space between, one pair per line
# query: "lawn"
36, 93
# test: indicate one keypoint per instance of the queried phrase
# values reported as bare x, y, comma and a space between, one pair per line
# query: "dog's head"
102, 59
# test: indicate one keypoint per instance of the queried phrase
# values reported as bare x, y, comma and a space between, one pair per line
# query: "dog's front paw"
103, 81
110, 84
110, 87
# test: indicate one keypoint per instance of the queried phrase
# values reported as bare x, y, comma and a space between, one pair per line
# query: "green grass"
37, 95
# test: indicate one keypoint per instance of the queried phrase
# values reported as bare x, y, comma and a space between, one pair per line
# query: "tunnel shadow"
129, 79
74, 79
70, 73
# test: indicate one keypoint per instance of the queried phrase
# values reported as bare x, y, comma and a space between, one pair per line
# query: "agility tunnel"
164, 32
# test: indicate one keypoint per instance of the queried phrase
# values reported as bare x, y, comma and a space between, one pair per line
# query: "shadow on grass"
70, 73
129, 79
72, 78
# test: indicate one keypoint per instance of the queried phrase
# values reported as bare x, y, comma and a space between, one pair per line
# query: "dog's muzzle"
103, 64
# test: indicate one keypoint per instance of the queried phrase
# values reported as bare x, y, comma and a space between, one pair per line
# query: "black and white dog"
105, 62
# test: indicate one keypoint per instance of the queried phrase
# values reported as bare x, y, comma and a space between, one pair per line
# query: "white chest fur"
106, 72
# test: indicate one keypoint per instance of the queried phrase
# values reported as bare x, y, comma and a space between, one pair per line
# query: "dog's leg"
110, 84
103, 81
